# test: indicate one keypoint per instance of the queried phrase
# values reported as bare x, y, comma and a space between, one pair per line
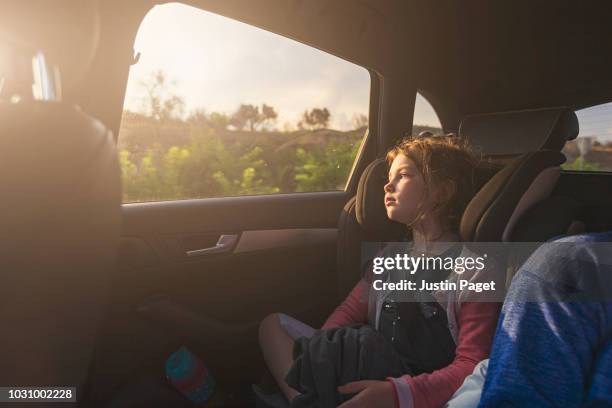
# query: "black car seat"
60, 215
516, 182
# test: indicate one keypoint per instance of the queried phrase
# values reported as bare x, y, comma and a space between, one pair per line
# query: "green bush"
221, 163
579, 164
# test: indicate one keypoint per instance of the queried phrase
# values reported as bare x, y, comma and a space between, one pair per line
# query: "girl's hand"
372, 393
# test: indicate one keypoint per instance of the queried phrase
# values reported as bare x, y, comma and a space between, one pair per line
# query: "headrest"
501, 202
60, 211
518, 132
370, 209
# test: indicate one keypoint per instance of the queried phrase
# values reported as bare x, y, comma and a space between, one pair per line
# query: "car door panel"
283, 259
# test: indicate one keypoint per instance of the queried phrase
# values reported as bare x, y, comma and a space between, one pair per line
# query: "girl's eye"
399, 175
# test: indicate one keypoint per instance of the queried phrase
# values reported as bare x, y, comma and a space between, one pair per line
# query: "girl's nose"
388, 187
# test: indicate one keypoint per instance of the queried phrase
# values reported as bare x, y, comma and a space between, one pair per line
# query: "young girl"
430, 184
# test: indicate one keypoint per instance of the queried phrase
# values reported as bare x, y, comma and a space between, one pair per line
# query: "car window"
592, 149
215, 108
425, 117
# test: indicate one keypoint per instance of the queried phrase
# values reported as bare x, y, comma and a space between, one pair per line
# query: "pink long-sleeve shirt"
477, 322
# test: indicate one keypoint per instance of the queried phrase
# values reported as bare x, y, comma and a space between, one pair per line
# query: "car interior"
98, 292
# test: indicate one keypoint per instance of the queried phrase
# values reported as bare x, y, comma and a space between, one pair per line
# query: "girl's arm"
477, 323
354, 309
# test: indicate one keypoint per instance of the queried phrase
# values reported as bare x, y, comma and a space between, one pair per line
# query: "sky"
596, 121
216, 63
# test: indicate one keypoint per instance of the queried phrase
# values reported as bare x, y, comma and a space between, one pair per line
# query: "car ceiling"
466, 56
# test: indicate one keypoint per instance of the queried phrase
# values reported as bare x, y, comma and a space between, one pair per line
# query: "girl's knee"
269, 325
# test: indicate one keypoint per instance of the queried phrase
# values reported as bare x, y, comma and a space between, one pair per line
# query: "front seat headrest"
517, 132
60, 213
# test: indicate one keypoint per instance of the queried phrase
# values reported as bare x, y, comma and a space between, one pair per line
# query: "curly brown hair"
443, 159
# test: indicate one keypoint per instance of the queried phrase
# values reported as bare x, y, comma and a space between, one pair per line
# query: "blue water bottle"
188, 374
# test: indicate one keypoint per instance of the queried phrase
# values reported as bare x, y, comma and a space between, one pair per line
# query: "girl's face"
406, 192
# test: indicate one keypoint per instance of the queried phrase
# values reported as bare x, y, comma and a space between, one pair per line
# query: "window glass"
215, 107
592, 149
425, 117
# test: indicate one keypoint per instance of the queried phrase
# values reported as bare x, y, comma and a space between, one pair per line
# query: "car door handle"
224, 244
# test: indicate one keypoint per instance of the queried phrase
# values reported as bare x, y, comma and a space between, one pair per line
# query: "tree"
158, 103
217, 121
268, 114
250, 117
316, 118
245, 117
198, 118
360, 121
